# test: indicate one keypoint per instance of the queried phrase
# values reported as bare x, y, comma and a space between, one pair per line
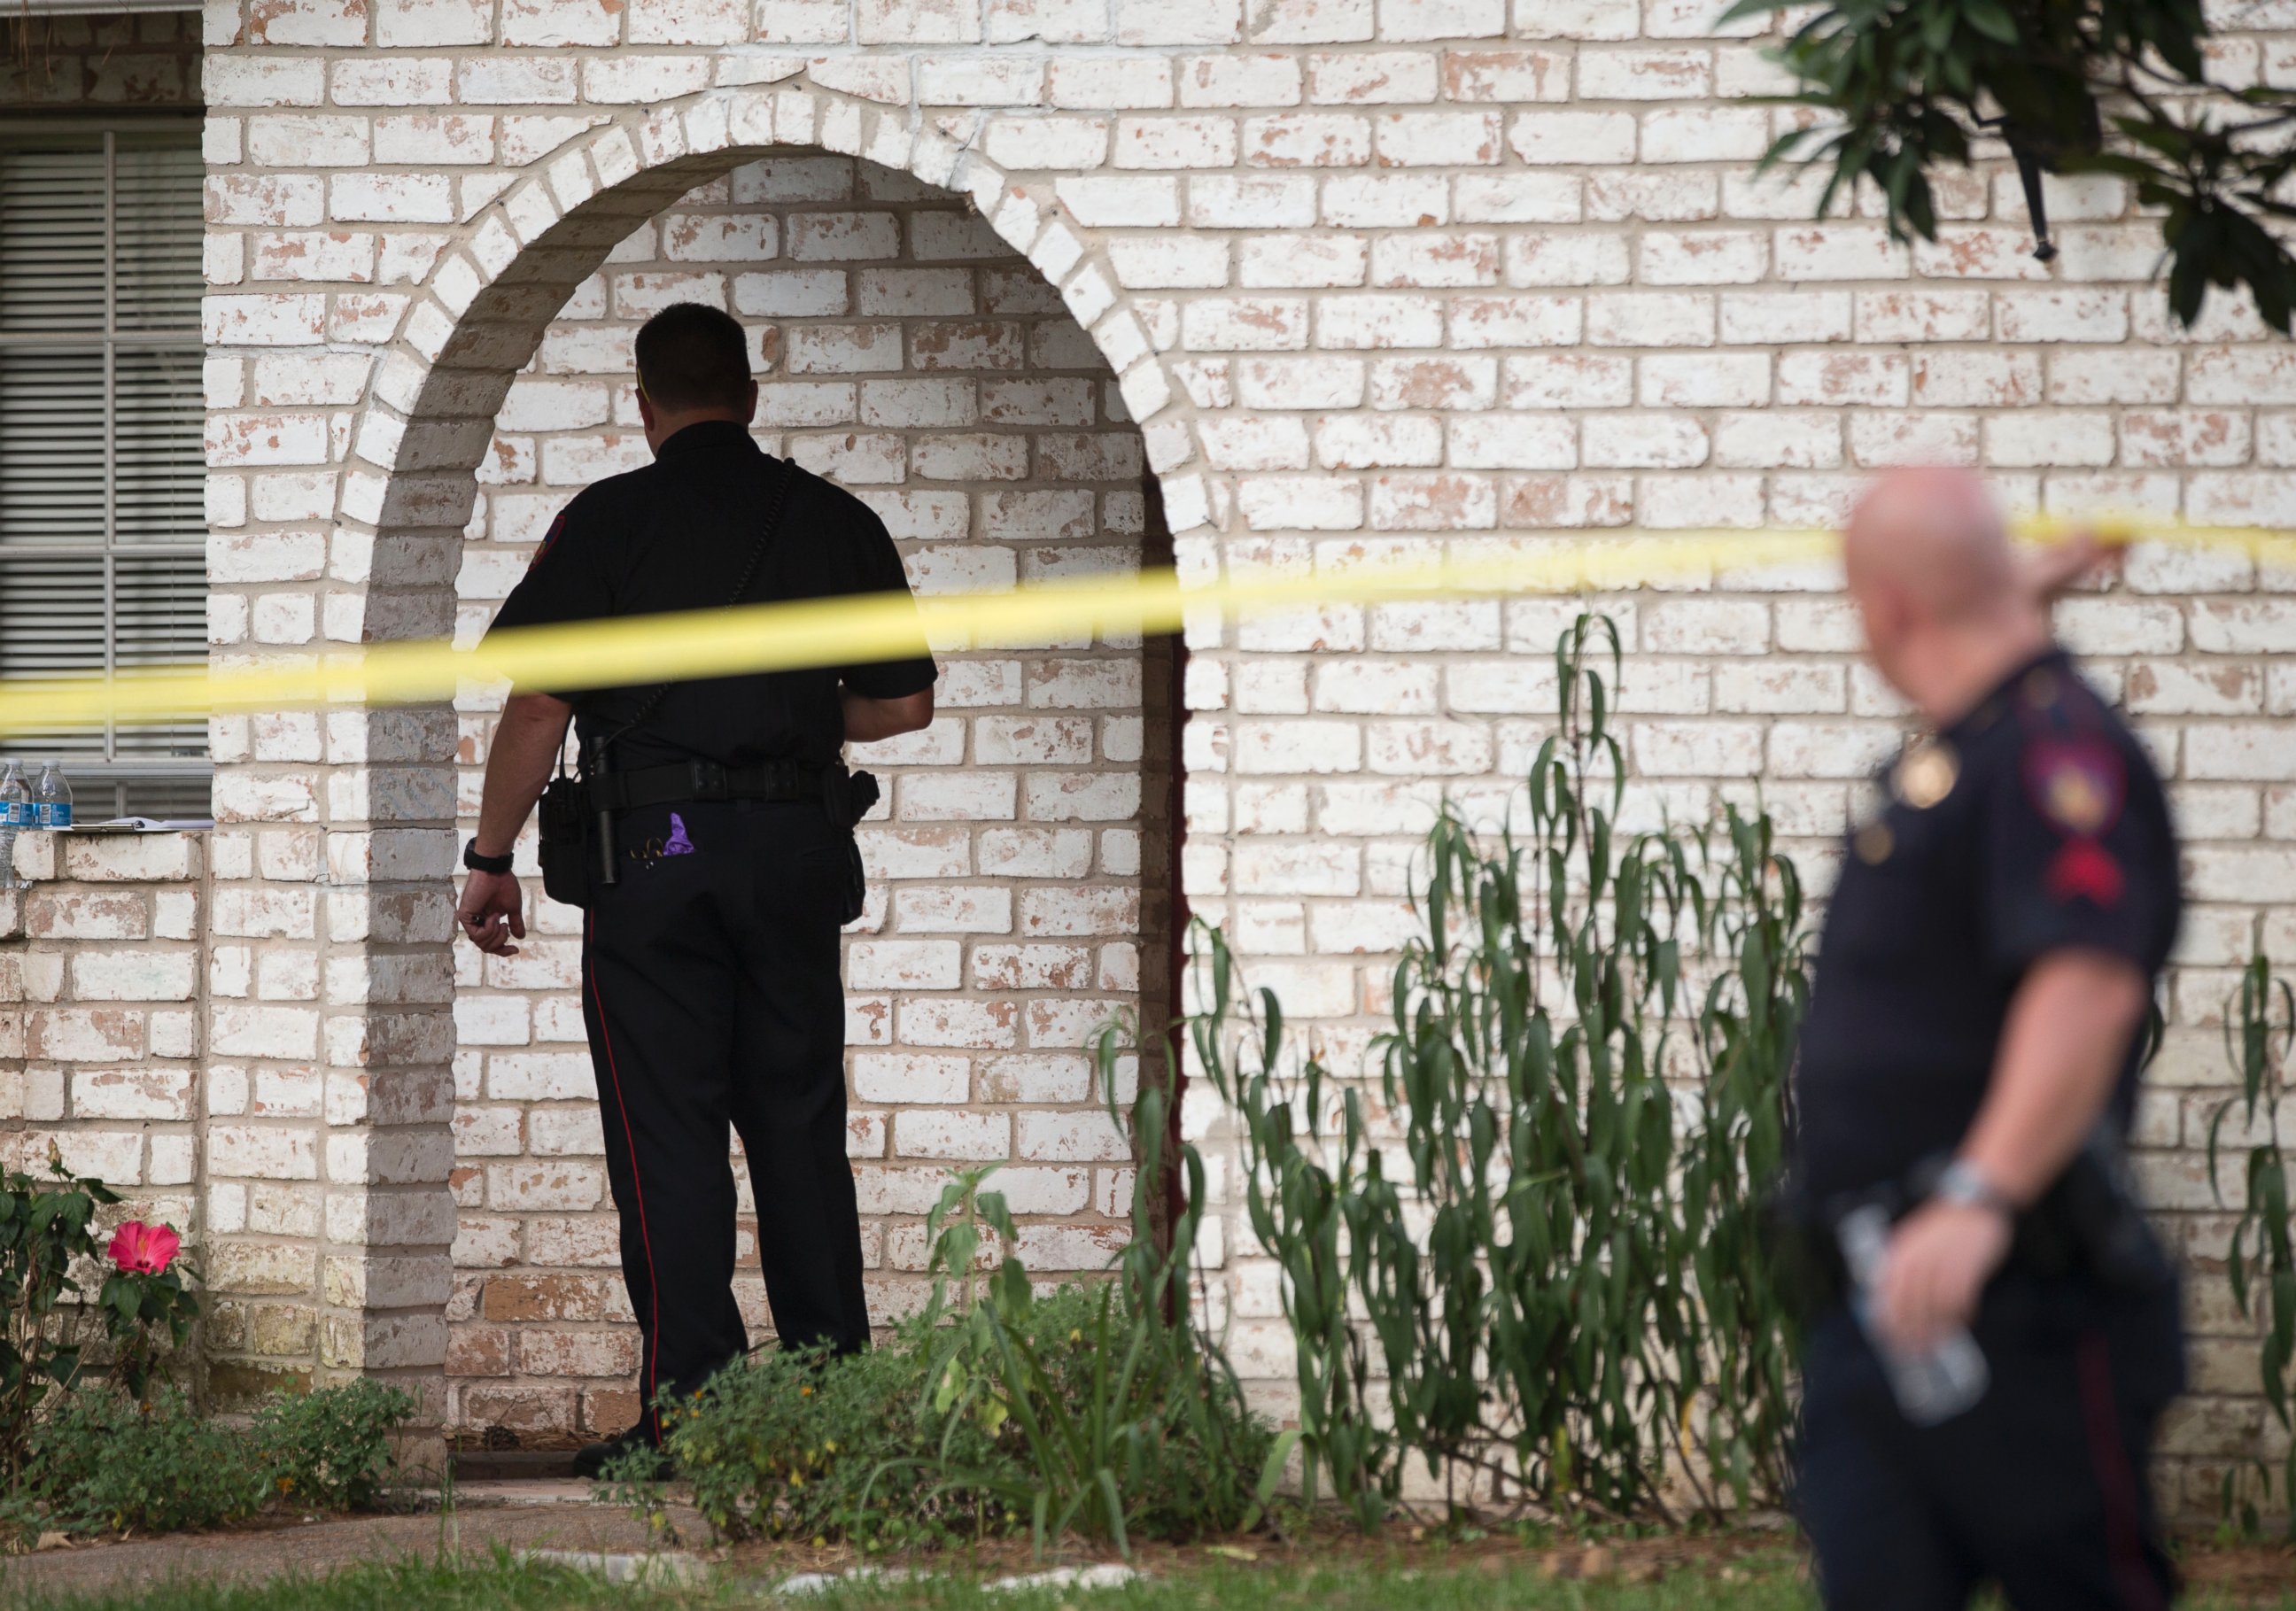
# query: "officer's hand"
492, 913
1940, 1259
2047, 574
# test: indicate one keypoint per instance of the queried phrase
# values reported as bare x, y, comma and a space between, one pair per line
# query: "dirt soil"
263, 1550
1636, 1560
2263, 1573
2259, 1573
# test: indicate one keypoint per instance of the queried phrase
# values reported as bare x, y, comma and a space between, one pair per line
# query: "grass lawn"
1760, 1579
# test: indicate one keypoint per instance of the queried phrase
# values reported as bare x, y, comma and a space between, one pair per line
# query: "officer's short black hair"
693, 357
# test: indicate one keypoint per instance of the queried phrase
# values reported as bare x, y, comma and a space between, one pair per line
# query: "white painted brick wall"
101, 1037
1375, 280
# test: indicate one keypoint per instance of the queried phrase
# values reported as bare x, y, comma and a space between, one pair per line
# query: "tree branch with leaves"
2069, 87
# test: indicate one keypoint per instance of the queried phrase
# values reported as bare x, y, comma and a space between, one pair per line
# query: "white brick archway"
410, 449
404, 499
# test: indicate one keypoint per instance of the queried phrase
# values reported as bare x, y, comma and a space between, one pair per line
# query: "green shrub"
1556, 1260
1103, 1408
330, 1449
104, 1463
141, 1312
2260, 1037
801, 1443
1125, 1417
804, 1444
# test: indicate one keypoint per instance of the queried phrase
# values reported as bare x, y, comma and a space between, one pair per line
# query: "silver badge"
1925, 774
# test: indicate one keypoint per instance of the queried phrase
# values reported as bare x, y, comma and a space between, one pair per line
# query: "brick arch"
483, 306
406, 497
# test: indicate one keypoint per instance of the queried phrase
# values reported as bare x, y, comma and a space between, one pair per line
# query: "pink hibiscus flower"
148, 1249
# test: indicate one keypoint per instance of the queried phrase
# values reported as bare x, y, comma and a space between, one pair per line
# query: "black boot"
591, 1459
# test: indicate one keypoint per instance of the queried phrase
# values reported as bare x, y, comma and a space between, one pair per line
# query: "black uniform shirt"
676, 535
2033, 824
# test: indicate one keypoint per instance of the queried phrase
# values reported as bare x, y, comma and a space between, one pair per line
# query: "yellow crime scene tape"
795, 636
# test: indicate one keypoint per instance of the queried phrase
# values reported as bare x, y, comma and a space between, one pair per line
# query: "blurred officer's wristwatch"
1963, 1183
471, 859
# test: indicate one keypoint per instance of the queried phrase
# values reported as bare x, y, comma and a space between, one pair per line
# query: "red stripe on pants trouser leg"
638, 1190
2109, 1459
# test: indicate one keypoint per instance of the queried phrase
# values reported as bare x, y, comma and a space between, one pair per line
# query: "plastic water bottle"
51, 799
1941, 1381
15, 816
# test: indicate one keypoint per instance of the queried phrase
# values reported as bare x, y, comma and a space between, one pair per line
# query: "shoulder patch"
2084, 869
2077, 783
548, 537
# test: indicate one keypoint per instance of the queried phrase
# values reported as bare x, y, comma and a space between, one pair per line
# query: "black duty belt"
681, 781
2089, 1225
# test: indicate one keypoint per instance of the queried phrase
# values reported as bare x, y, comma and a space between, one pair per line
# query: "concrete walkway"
518, 1515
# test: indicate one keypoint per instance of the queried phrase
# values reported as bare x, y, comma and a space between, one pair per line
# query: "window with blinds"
102, 525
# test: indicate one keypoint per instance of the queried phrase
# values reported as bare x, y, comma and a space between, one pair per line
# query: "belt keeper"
709, 780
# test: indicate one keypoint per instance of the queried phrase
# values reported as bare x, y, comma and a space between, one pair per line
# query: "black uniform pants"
711, 993
2042, 1487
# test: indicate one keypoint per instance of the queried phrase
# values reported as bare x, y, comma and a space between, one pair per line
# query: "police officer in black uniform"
719, 815
1970, 1064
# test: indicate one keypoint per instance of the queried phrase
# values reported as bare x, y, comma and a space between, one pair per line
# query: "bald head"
1945, 606
1933, 538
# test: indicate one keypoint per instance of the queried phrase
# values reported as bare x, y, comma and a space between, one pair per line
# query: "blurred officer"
711, 983
1970, 1064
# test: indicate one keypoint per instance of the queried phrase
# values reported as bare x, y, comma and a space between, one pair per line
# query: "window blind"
102, 529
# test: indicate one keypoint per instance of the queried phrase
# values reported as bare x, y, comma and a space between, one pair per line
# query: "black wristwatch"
471, 859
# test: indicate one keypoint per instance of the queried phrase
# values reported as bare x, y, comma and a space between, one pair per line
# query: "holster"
573, 811
1803, 1283
846, 797
567, 858
2088, 1227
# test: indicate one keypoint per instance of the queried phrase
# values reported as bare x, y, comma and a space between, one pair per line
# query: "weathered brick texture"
101, 1036
1357, 282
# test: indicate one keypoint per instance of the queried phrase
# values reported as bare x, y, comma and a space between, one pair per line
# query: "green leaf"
1991, 19
1936, 27
2188, 285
